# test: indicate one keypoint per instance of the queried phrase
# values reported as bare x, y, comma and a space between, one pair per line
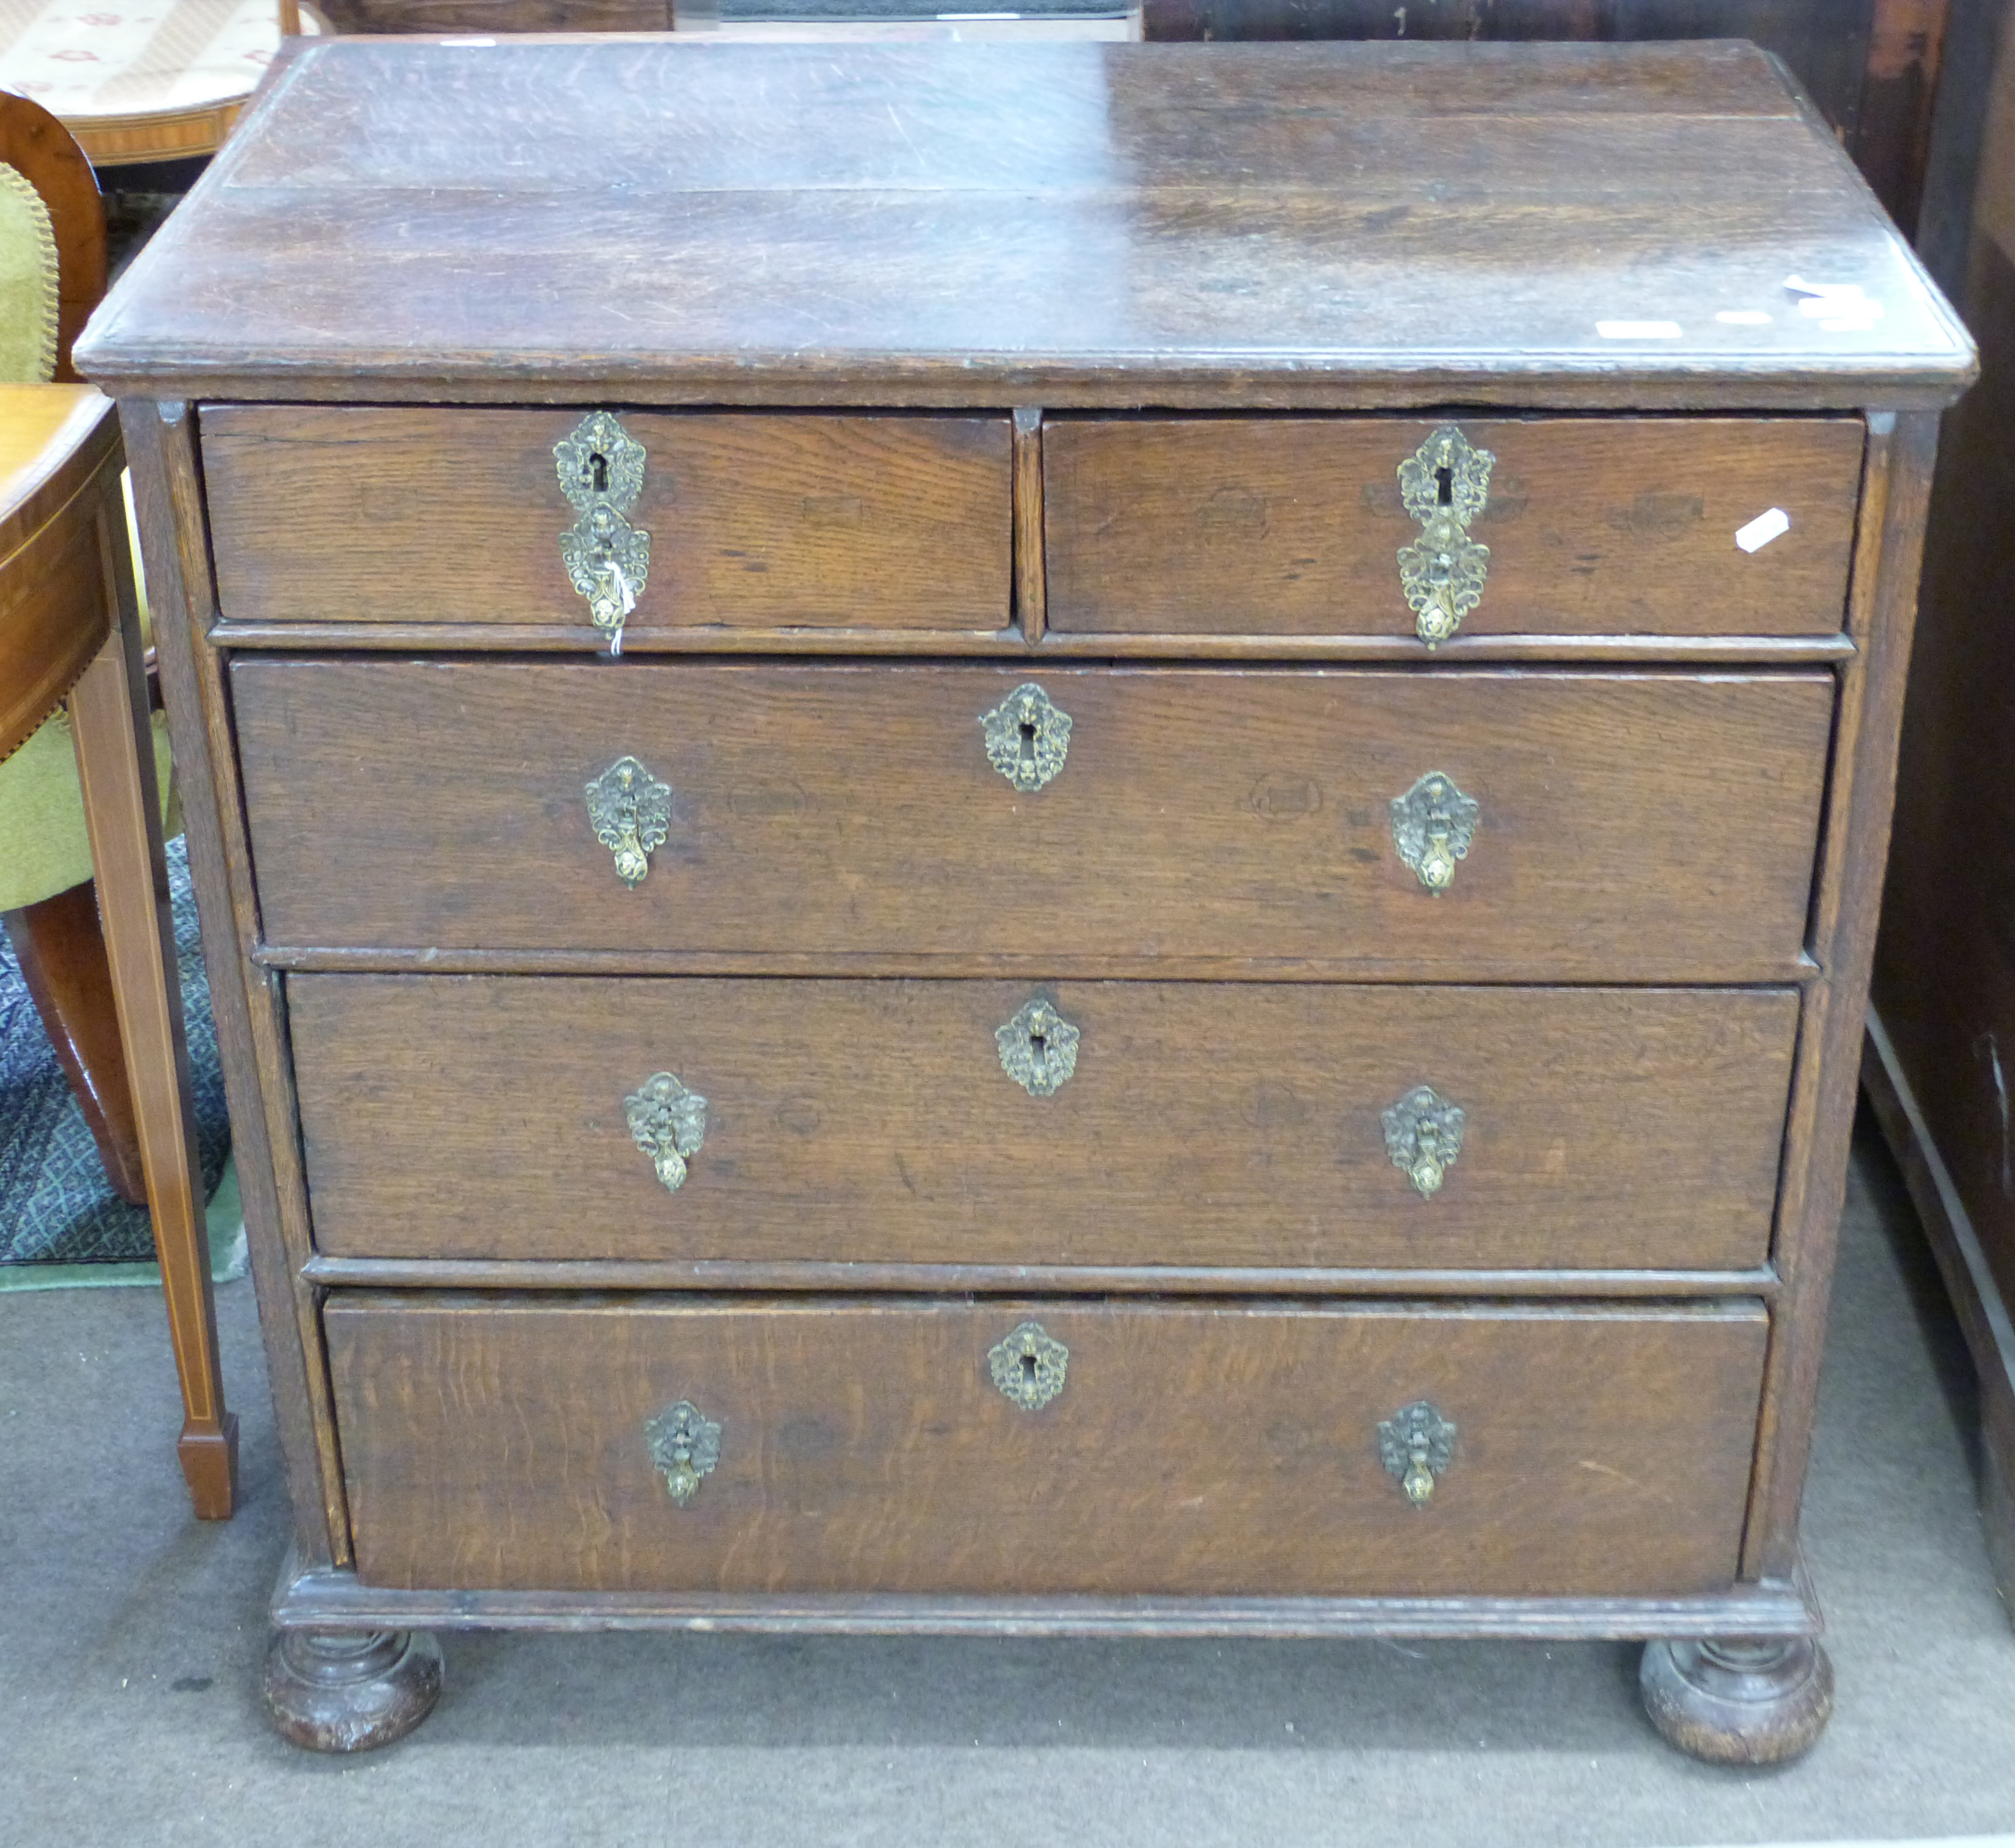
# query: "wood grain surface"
1633, 826
499, 1442
58, 446
482, 1117
1047, 224
1596, 527
389, 515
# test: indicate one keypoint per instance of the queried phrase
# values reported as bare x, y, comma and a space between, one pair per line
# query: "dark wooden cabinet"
1022, 838
1940, 1057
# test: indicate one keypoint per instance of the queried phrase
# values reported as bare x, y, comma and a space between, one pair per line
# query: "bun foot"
347, 1690
1738, 1702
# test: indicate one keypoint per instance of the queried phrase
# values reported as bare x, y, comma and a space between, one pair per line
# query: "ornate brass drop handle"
1423, 1137
1416, 1445
668, 1123
600, 468
1445, 484
631, 810
1433, 824
685, 1445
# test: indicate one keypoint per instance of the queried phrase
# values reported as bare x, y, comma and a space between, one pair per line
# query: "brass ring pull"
600, 468
1445, 484
1027, 737
1433, 824
668, 1123
1416, 1445
1028, 1365
1423, 1137
685, 1445
630, 811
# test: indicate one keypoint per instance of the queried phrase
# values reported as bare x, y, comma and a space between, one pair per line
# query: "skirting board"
1984, 1317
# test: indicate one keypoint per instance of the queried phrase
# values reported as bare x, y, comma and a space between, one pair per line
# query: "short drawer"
1594, 525
1625, 826
534, 1444
1200, 1124
339, 514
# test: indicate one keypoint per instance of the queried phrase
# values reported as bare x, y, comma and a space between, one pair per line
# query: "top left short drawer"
757, 521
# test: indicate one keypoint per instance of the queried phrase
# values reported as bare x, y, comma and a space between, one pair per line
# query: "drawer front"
507, 1443
1628, 828
1201, 1125
1594, 526
756, 522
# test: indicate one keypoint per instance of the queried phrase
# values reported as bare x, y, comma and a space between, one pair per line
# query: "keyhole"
1028, 743
598, 466
1039, 1051
1444, 485
1029, 1368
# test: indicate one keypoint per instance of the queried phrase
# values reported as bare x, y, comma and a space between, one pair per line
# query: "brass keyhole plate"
1027, 737
1038, 1048
1444, 485
1028, 1365
607, 561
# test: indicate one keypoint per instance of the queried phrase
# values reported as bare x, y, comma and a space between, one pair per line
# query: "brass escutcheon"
1027, 738
1028, 1365
1444, 484
1433, 824
1415, 1445
1424, 1136
667, 1122
600, 469
1038, 1048
630, 809
685, 1445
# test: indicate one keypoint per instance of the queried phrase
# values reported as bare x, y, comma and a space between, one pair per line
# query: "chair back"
45, 154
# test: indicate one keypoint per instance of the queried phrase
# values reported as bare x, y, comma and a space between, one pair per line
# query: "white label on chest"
1763, 528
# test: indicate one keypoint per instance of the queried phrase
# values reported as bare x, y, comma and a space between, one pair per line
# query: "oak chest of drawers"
1077, 839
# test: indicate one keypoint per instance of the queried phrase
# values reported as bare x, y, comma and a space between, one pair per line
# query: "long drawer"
1500, 826
1245, 1123
559, 1444
383, 514
1593, 526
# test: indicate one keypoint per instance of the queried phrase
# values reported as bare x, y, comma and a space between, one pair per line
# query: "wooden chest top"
1294, 225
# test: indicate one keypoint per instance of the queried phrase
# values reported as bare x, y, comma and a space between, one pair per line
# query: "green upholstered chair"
52, 273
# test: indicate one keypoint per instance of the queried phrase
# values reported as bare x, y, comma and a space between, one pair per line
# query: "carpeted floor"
131, 1637
57, 1210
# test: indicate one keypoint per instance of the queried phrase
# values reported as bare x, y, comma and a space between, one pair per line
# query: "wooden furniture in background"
160, 85
497, 16
68, 629
1940, 1059
852, 1136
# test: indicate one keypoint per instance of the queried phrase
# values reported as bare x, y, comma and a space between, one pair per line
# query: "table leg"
115, 764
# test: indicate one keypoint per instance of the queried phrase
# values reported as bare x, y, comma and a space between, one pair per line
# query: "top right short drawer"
1567, 526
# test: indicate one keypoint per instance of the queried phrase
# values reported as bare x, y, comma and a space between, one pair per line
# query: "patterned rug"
57, 1210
